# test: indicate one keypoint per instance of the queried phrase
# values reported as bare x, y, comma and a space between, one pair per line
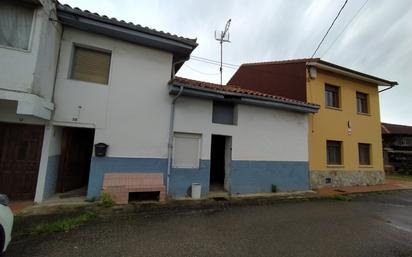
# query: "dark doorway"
219, 162
76, 154
20, 152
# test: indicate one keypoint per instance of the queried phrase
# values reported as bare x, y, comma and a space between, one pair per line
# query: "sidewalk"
55, 204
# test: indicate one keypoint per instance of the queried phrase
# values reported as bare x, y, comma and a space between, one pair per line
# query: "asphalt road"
372, 225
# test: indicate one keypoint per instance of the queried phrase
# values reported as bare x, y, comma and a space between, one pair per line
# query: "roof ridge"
281, 61
66, 7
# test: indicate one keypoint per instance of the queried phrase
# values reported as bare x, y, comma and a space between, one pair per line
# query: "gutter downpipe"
380, 91
171, 129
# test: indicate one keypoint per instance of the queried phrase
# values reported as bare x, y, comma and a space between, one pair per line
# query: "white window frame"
191, 136
32, 30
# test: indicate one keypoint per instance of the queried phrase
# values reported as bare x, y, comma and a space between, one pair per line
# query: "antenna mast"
222, 36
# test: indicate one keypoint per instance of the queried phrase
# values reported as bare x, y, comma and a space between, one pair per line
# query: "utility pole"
222, 36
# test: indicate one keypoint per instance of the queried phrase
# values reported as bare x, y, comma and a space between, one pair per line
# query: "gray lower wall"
341, 178
259, 176
246, 176
51, 176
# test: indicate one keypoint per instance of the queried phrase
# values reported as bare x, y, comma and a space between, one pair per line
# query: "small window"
334, 152
364, 154
362, 102
90, 65
15, 24
332, 96
186, 153
224, 113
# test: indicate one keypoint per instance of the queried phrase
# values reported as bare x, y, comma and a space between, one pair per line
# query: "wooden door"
77, 148
20, 152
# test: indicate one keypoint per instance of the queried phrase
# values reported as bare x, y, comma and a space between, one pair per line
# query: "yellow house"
345, 144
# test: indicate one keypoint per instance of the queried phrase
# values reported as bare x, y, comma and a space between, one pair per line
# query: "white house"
115, 84
29, 45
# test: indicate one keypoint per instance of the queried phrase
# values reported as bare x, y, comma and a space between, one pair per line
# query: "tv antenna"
222, 36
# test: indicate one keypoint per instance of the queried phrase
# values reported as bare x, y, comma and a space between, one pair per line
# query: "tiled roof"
388, 128
122, 23
282, 61
236, 89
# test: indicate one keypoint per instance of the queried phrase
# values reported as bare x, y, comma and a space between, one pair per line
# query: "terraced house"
76, 79
345, 143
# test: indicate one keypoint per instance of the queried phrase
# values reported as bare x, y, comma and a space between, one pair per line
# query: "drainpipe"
171, 129
380, 91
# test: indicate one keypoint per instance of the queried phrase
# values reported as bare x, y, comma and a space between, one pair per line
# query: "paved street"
372, 225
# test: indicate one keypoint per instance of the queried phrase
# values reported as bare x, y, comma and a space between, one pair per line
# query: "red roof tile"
236, 89
388, 128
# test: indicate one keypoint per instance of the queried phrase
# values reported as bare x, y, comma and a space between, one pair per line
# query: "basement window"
224, 113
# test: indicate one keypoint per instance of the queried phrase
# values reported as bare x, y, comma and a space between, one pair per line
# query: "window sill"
364, 113
88, 82
15, 49
334, 166
365, 166
333, 108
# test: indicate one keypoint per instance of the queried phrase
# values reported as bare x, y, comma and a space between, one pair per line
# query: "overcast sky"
377, 41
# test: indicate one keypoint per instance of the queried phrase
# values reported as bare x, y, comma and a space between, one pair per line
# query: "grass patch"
63, 225
106, 200
340, 198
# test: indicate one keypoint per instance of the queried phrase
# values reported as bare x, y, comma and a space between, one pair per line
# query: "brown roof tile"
388, 128
236, 89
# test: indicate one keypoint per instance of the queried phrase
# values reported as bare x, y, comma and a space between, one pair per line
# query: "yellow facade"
334, 123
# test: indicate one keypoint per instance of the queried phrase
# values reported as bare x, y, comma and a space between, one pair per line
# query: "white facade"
27, 76
131, 113
261, 134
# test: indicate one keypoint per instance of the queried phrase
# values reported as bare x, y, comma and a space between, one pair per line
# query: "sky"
371, 36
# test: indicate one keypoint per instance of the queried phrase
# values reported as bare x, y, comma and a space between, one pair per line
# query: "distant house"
345, 145
80, 78
397, 147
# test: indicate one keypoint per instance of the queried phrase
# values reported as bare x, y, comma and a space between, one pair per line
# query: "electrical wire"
214, 61
330, 27
201, 72
347, 25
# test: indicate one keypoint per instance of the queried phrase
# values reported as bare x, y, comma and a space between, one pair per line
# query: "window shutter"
91, 65
186, 150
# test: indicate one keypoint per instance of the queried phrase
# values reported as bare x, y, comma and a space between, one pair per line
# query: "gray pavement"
370, 225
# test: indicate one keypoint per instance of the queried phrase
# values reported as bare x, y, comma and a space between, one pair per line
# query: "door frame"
227, 161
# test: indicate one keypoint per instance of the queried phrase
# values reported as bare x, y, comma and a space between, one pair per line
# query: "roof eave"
351, 73
174, 88
181, 48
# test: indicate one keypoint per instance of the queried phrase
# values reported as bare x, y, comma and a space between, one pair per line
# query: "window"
334, 152
364, 154
186, 150
90, 65
362, 102
15, 24
223, 113
332, 96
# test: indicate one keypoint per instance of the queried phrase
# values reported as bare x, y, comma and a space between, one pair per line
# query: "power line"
214, 61
330, 27
347, 25
201, 72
